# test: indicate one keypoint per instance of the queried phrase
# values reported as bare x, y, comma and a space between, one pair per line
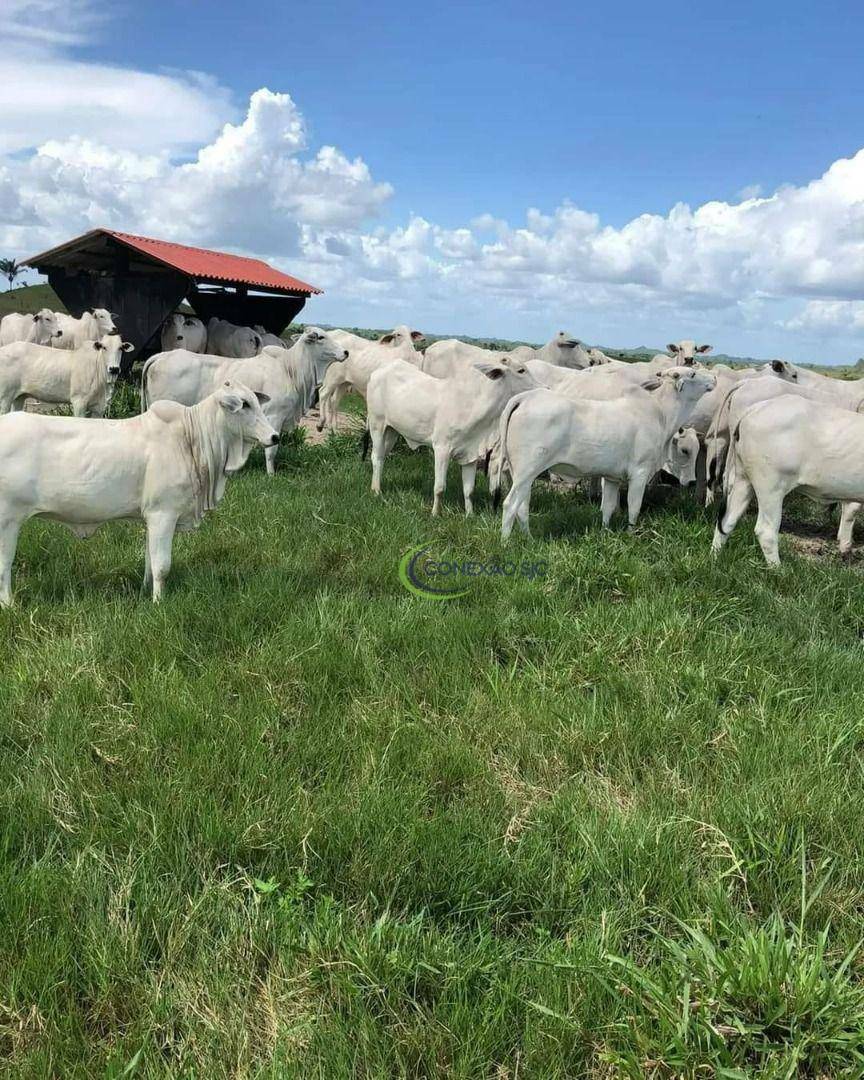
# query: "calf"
166, 467
457, 416
83, 379
623, 440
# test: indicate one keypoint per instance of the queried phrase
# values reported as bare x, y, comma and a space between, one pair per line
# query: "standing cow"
353, 373
40, 328
456, 416
623, 440
83, 378
788, 443
92, 325
288, 377
167, 467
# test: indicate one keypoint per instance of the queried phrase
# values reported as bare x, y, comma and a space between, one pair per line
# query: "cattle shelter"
141, 281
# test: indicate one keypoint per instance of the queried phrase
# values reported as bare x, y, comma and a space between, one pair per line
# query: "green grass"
296, 822
29, 298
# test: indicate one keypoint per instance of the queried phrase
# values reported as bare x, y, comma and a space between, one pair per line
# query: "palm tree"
10, 269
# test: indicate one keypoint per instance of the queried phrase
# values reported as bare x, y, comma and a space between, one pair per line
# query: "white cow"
683, 454
93, 325
181, 331
789, 443
564, 350
450, 356
40, 328
287, 376
457, 416
166, 467
773, 380
353, 373
623, 440
270, 339
227, 339
683, 353
597, 358
83, 378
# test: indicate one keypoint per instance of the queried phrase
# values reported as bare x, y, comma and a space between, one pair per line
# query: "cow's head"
685, 352
692, 382
104, 322
683, 451
783, 370
401, 335
110, 347
245, 420
509, 374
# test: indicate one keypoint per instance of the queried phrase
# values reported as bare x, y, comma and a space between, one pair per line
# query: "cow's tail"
497, 475
716, 454
145, 371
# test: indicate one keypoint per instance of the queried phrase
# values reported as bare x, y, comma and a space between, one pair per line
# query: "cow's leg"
160, 537
379, 453
9, 530
701, 472
519, 494
469, 474
732, 511
610, 494
635, 493
442, 460
768, 525
848, 513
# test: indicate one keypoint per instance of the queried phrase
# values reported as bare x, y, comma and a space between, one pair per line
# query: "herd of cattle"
214, 391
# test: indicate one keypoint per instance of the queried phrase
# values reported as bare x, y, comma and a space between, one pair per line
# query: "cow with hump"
289, 378
167, 467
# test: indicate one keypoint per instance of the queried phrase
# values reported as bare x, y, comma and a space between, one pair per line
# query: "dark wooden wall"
139, 303
274, 313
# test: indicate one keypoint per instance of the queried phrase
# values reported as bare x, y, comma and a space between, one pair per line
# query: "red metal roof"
216, 265
196, 262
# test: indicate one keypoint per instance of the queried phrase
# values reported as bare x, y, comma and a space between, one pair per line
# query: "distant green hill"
29, 298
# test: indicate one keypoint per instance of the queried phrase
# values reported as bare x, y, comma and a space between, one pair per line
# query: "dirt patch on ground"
345, 423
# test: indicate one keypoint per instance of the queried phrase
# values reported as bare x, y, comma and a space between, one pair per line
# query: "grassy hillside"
297, 822
29, 298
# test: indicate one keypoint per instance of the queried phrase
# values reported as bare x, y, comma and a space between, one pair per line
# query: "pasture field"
297, 822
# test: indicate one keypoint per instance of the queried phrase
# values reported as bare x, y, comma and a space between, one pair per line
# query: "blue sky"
450, 125
622, 107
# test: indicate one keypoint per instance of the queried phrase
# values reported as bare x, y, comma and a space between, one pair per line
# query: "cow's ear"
491, 371
704, 348
385, 339
262, 397
230, 401
652, 384
98, 345
672, 348
417, 336
36, 318
680, 430
127, 346
778, 366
